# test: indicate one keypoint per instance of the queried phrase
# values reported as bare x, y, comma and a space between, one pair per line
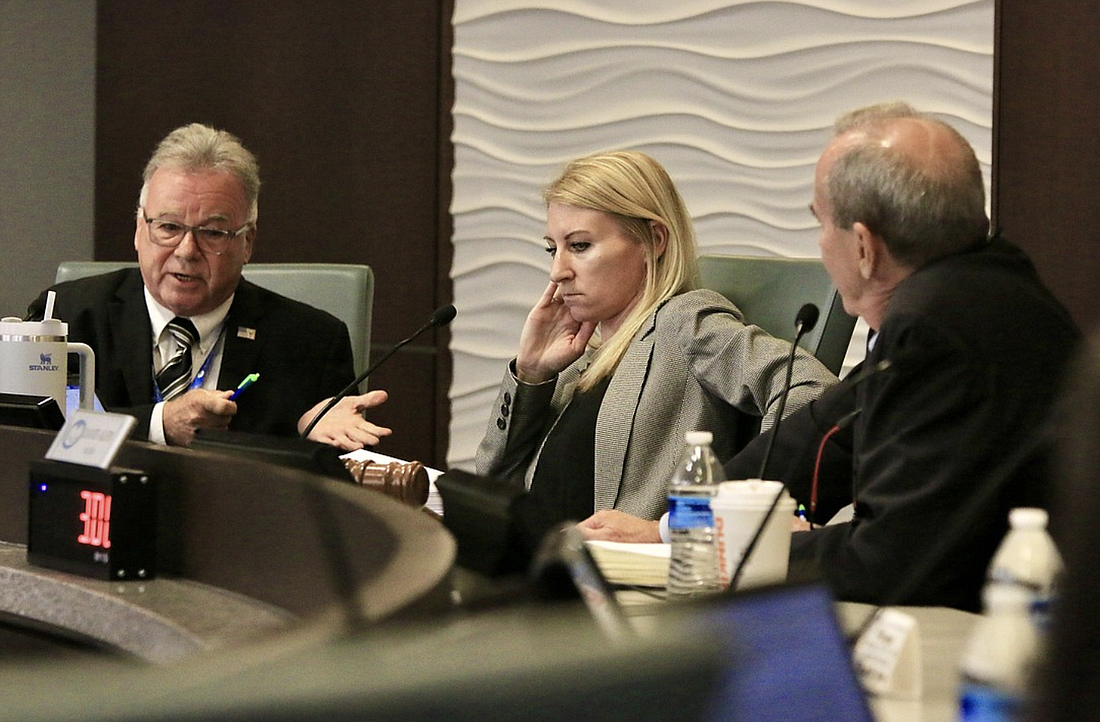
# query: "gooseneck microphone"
860, 377
804, 322
441, 317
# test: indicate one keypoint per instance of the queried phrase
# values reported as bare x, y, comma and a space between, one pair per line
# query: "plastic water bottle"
1028, 558
1020, 587
997, 661
693, 568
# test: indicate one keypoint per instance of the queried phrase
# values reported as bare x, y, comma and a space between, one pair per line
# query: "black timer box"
95, 522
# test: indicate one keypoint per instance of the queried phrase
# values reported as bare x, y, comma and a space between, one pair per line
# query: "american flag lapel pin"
245, 332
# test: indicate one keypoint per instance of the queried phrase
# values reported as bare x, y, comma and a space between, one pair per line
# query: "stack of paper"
643, 565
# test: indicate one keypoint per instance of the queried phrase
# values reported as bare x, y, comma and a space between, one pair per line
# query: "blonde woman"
623, 353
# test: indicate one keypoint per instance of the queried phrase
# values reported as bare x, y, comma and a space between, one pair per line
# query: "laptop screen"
788, 658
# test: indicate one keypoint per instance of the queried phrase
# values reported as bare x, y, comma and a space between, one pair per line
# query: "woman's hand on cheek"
551, 339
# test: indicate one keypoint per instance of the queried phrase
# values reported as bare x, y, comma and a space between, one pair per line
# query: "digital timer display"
97, 519
90, 521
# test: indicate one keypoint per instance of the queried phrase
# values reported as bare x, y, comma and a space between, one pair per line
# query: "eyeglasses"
169, 234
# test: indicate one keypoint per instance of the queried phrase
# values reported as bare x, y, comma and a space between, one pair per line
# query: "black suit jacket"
978, 348
302, 354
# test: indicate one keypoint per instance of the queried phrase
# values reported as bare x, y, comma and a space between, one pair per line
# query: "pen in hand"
244, 384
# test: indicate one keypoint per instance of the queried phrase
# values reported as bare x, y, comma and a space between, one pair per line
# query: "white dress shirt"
210, 326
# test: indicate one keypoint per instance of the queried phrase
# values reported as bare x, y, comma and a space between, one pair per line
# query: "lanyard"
197, 381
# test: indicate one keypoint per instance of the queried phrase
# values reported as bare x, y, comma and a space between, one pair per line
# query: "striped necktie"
175, 377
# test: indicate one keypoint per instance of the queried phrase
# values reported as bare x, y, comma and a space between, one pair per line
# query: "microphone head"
444, 315
806, 319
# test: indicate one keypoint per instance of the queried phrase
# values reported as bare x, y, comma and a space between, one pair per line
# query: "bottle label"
1041, 613
1040, 608
982, 703
689, 512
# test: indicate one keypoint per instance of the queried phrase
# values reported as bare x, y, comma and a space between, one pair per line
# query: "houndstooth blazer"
694, 365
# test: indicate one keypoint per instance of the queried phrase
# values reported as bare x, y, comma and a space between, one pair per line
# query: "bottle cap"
697, 438
1027, 518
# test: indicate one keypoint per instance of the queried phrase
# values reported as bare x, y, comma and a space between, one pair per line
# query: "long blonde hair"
635, 190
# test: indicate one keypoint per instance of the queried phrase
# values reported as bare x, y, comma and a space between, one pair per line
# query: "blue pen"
244, 384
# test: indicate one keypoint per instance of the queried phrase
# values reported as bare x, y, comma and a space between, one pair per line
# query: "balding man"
976, 347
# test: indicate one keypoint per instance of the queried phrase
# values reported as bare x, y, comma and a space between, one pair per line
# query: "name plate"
91, 438
87, 517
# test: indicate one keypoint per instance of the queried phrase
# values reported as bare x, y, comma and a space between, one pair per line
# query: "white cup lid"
750, 492
14, 326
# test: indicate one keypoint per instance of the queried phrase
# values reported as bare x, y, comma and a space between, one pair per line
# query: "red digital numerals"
97, 519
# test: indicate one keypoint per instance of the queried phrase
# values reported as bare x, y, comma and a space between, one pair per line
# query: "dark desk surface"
244, 547
160, 621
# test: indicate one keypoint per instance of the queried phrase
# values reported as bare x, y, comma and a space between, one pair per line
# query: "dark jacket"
302, 354
948, 439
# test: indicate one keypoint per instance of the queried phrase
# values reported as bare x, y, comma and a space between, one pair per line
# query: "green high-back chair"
344, 290
769, 290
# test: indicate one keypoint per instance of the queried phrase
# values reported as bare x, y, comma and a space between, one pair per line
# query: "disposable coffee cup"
739, 508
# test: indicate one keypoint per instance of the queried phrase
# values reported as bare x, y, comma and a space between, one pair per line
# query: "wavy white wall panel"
736, 99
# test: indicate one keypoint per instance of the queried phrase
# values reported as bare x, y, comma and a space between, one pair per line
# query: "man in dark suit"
953, 433
174, 338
